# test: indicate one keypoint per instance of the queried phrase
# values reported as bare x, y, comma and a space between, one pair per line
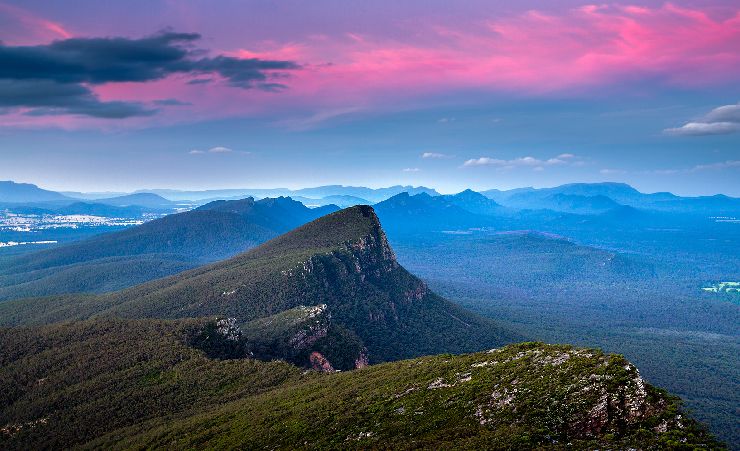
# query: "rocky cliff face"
362, 284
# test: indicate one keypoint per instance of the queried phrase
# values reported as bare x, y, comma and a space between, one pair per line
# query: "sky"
120, 96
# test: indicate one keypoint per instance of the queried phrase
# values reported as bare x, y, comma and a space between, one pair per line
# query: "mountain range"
213, 357
255, 282
369, 195
600, 197
342, 261
223, 228
579, 198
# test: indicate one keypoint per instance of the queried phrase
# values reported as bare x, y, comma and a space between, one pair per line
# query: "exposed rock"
320, 363
362, 360
459, 378
316, 325
228, 329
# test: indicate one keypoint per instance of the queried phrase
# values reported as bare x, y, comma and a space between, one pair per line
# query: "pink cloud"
533, 52
32, 28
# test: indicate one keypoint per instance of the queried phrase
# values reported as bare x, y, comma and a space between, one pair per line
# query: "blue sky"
473, 97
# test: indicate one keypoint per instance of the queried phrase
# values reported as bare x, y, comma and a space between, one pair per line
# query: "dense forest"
150, 384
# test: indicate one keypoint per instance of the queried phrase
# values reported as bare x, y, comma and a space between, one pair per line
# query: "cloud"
200, 81
568, 49
411, 170
535, 163
612, 171
171, 102
483, 161
720, 121
717, 166
218, 150
117, 59
435, 155
67, 70
45, 97
320, 118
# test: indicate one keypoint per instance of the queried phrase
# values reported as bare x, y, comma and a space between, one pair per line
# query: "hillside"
105, 210
12, 192
154, 249
115, 384
149, 200
342, 260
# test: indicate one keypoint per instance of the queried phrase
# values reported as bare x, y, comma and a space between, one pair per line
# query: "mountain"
473, 202
280, 214
154, 249
341, 261
92, 196
217, 357
447, 213
423, 212
619, 192
112, 383
594, 198
342, 201
570, 203
372, 194
12, 192
104, 210
149, 200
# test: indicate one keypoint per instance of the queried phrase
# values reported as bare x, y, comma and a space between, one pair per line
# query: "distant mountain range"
577, 198
591, 198
221, 229
28, 198
370, 195
154, 249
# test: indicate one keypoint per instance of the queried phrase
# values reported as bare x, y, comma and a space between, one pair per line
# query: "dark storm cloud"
200, 81
54, 77
48, 97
